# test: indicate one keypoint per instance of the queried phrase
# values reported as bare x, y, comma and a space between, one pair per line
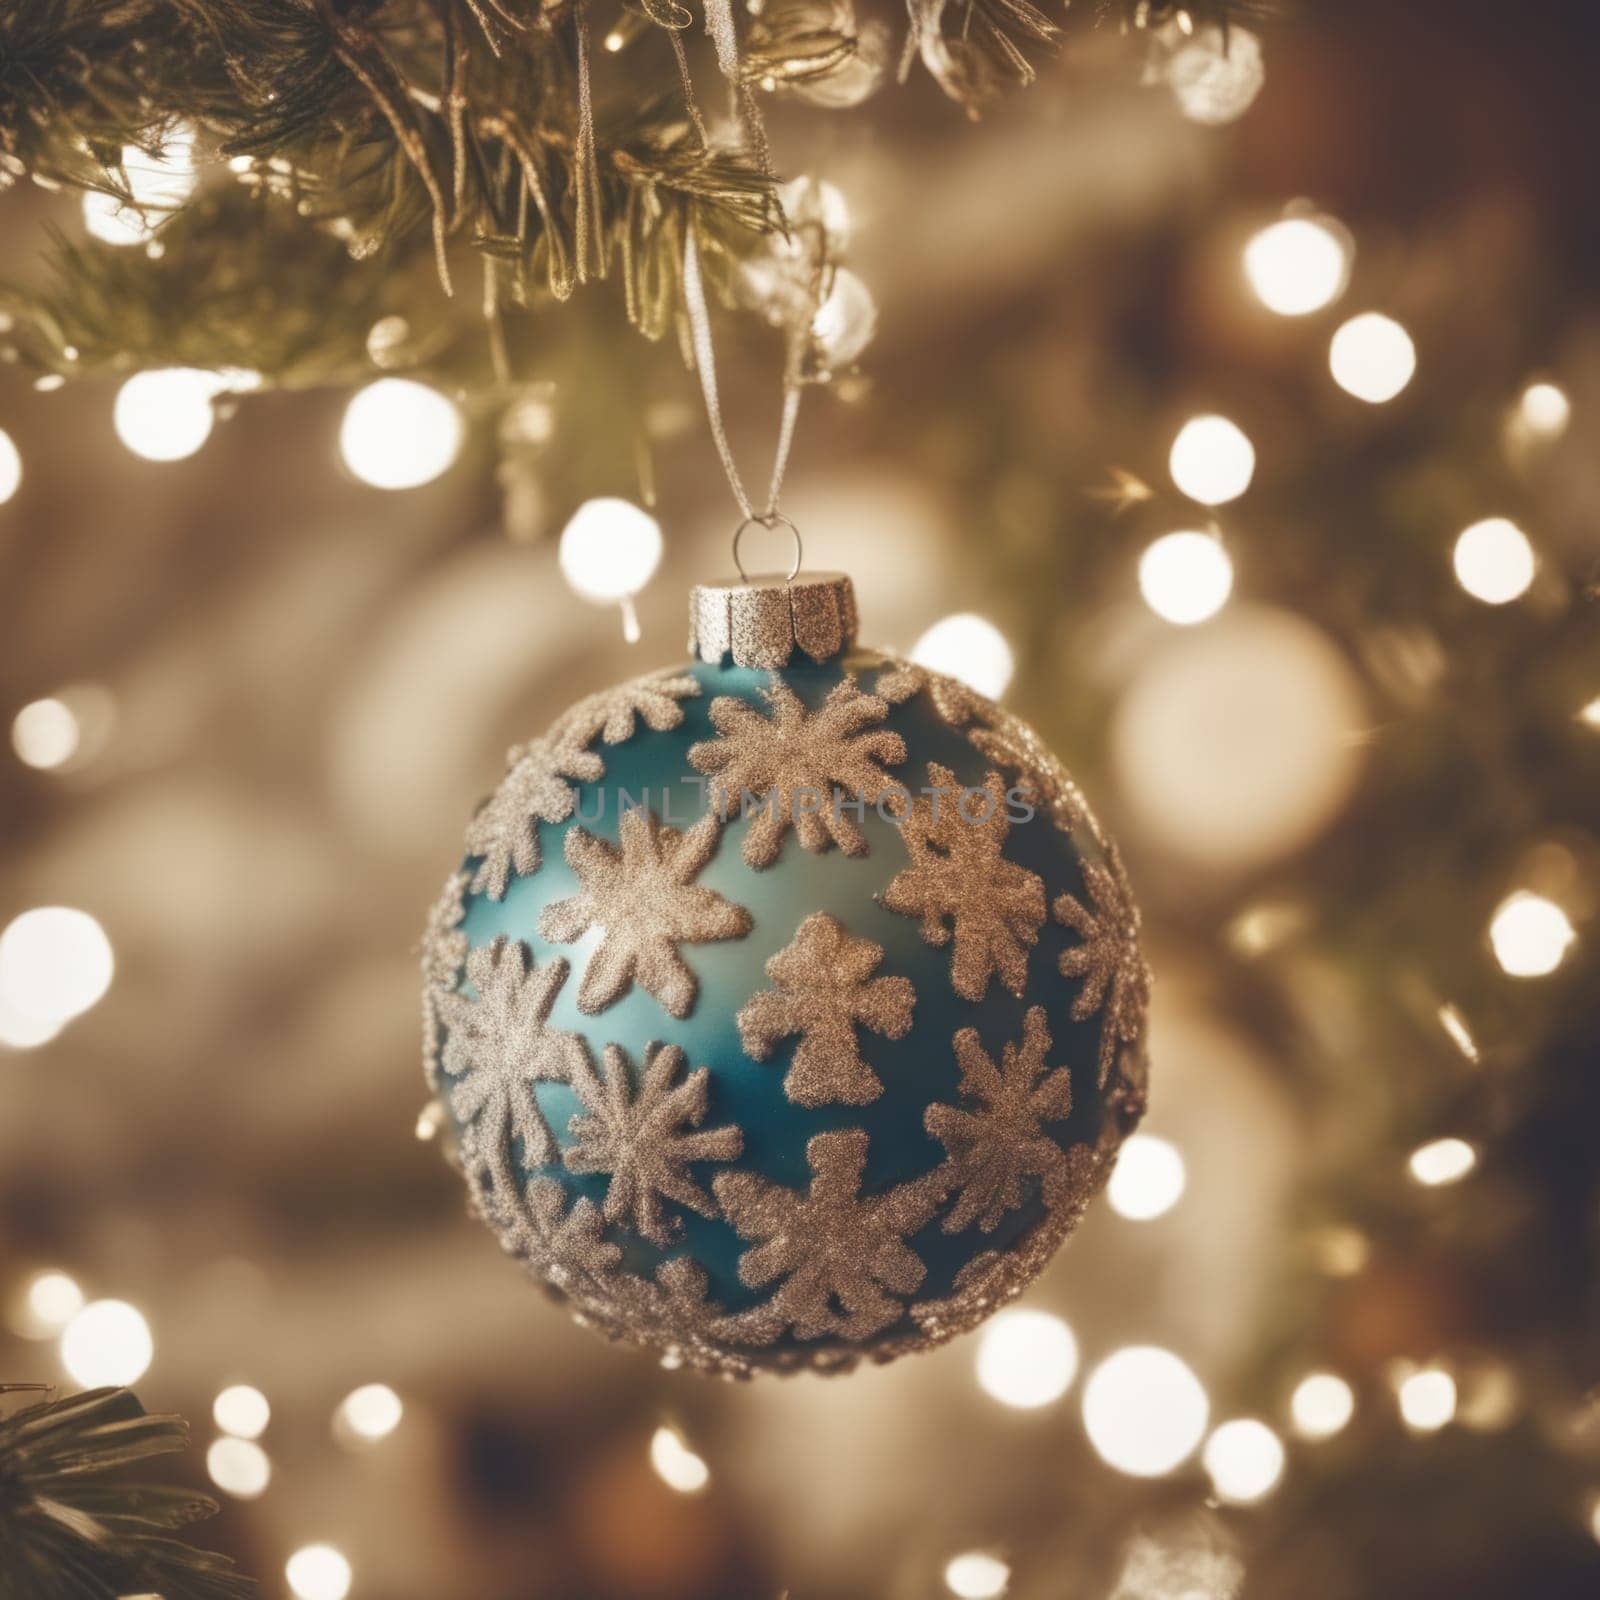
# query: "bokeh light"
1298, 266
1494, 561
846, 320
1026, 1358
1427, 1399
398, 434
159, 182
166, 414
239, 1467
1144, 1410
1545, 410
48, 1302
318, 1572
1322, 1404
976, 1575
1186, 577
242, 1411
55, 962
970, 648
370, 1413
1372, 357
1215, 76
676, 1464
1147, 1180
21, 1032
1245, 1459
108, 1342
1442, 1161
1212, 460
10, 467
609, 549
1530, 935
44, 733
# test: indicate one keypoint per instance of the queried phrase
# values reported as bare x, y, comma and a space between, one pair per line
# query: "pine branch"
70, 1528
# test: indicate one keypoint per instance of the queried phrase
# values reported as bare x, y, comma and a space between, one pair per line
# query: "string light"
369, 1413
1215, 77
1427, 1399
1244, 1459
1145, 1411
239, 1468
1186, 577
44, 733
1589, 716
165, 414
1322, 1404
1212, 460
1299, 265
399, 434
1026, 1358
1372, 357
21, 1032
242, 1411
318, 1572
609, 552
1494, 562
676, 1464
108, 1342
968, 647
55, 963
1147, 1180
1443, 1161
1454, 1024
976, 1575
10, 467
1530, 935
159, 183
50, 1300
1544, 410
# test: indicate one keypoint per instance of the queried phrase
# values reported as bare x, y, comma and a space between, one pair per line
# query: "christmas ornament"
788, 1007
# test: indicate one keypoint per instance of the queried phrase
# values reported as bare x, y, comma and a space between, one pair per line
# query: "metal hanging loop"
769, 519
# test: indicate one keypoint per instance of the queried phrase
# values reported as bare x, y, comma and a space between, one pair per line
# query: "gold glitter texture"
535, 789
1115, 976
644, 899
797, 765
961, 885
825, 990
644, 1138
996, 1146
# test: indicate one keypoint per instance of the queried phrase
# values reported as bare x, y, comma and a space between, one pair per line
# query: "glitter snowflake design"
1116, 977
499, 1046
994, 1149
959, 878
952, 699
505, 831
825, 990
643, 898
795, 765
444, 945
842, 1259
613, 714
644, 1139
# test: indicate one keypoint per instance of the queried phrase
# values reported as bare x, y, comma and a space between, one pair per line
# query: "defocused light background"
1244, 438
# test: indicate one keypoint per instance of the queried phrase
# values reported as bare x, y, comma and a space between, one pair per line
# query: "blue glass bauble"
788, 1007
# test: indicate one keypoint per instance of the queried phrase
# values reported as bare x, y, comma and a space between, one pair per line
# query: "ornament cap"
761, 621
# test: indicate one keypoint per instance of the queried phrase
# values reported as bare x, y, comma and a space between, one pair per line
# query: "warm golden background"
284, 689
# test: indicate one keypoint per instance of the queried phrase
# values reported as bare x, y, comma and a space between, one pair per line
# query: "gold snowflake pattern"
842, 1259
797, 766
613, 714
1116, 977
505, 829
995, 1148
825, 990
498, 1047
644, 899
568, 1246
960, 880
443, 953
644, 1139
952, 699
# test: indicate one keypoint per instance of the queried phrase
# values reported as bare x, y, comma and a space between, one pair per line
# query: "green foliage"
488, 142
72, 1529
